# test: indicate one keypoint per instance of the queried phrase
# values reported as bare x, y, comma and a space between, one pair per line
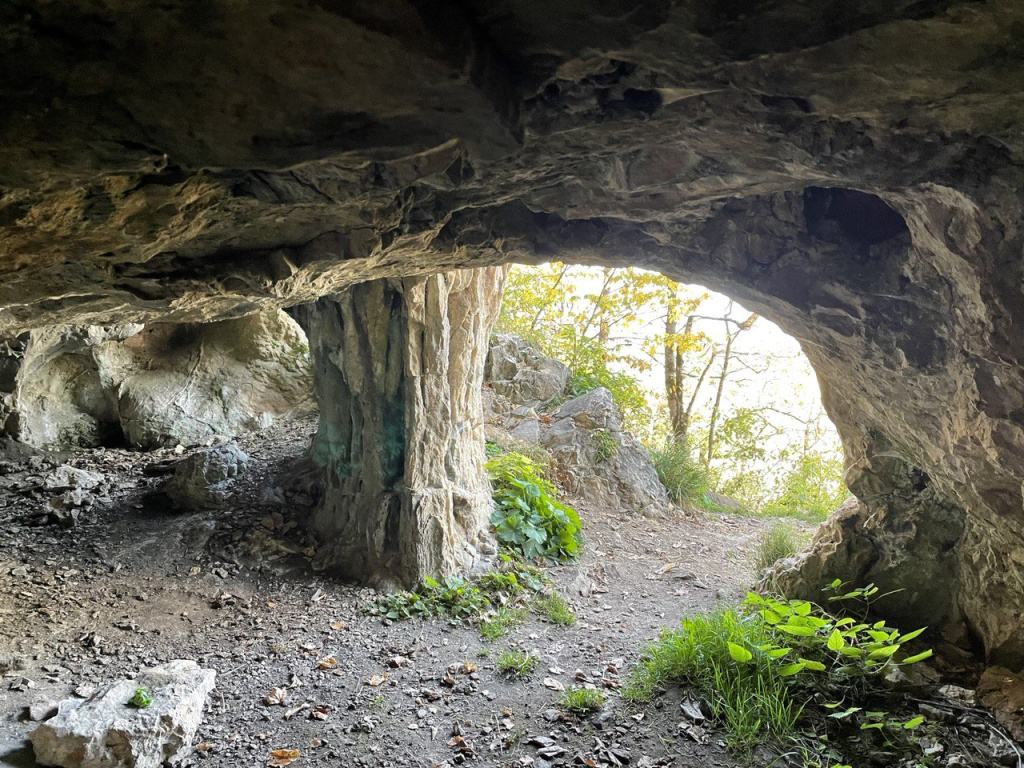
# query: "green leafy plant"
686, 479
581, 700
555, 609
762, 671
515, 663
458, 600
141, 698
527, 517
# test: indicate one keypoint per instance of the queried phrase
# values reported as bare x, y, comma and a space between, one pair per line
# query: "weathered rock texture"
205, 477
851, 171
399, 367
520, 373
155, 385
598, 461
103, 731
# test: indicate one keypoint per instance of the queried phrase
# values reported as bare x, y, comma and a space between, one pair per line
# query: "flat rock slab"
104, 731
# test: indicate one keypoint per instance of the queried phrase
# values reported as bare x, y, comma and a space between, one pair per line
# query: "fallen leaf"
468, 668
554, 685
328, 662
376, 680
318, 713
282, 757
275, 696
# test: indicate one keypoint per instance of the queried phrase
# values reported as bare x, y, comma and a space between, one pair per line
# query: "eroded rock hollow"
399, 368
850, 171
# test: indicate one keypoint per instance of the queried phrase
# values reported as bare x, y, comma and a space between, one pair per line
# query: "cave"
854, 176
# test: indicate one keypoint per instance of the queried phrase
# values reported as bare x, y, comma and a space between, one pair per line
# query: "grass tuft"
685, 479
515, 663
752, 701
501, 623
555, 609
774, 543
581, 700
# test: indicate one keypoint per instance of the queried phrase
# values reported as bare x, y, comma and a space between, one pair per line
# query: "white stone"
104, 731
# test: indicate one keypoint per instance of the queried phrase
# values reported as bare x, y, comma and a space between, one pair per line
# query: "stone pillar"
398, 369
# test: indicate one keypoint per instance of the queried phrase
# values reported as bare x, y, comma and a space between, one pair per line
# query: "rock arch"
861, 191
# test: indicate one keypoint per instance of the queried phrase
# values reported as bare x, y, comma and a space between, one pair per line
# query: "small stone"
42, 710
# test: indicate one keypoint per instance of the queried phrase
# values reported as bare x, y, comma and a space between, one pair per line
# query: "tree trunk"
398, 369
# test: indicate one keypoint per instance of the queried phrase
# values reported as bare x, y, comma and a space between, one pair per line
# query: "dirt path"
135, 584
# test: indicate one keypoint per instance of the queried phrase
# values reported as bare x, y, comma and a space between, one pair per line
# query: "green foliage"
606, 445
775, 542
801, 481
527, 517
581, 700
458, 600
501, 622
685, 478
515, 663
762, 672
812, 488
140, 699
554, 608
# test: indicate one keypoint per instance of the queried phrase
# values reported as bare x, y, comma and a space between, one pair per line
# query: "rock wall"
398, 368
850, 171
161, 384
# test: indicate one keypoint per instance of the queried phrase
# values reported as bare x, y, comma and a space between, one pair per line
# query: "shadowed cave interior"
172, 179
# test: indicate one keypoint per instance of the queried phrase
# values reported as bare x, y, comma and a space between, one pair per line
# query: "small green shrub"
775, 542
763, 671
515, 663
685, 478
581, 700
459, 600
527, 517
555, 609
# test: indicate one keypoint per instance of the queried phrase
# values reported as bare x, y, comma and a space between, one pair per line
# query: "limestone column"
398, 370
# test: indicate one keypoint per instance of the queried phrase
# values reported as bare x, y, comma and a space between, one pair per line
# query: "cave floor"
135, 583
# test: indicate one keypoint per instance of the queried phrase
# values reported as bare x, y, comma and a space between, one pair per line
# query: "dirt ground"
136, 583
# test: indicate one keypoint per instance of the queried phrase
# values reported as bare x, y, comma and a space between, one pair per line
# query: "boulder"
599, 461
522, 374
203, 479
104, 731
153, 385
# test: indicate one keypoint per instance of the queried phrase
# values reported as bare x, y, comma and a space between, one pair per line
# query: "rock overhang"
853, 174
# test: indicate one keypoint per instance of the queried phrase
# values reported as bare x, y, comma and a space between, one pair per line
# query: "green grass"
555, 609
787, 672
515, 663
501, 623
581, 700
685, 479
751, 700
775, 542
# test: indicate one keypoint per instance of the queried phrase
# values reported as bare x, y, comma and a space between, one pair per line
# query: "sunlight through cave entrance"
725, 401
